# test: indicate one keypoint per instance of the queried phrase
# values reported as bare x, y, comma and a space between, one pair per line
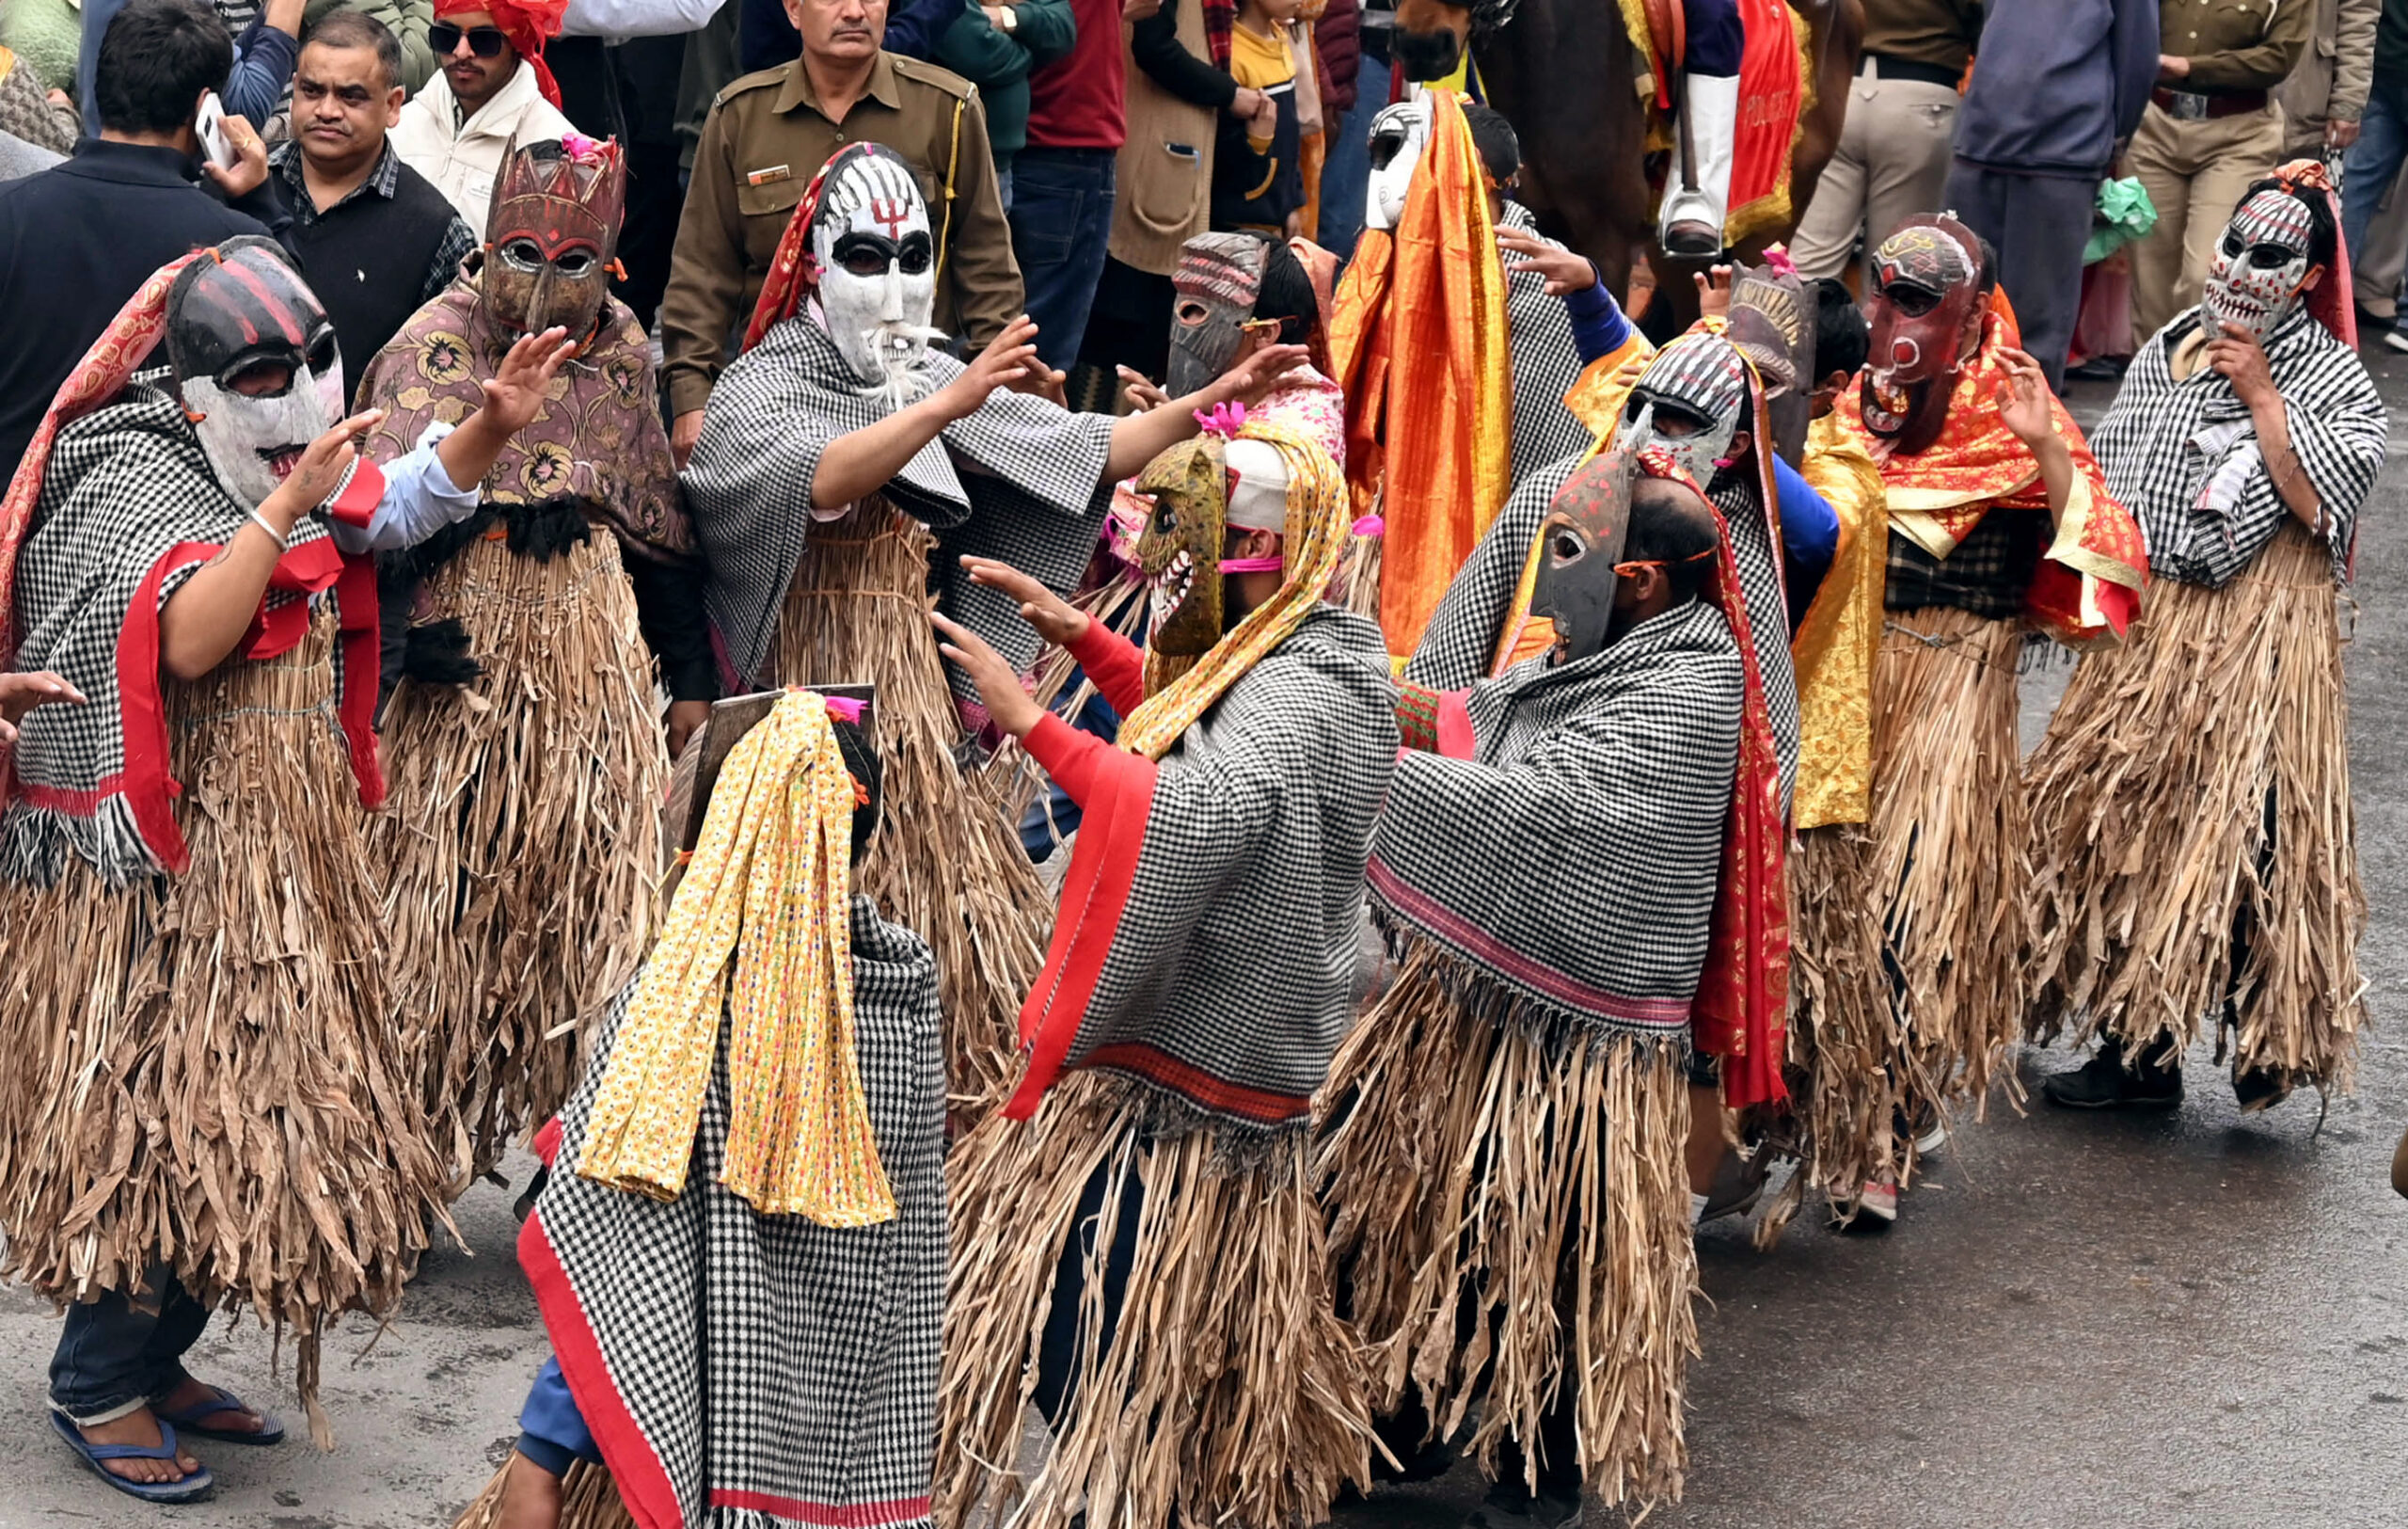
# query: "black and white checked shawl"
2150, 446
1460, 641
1546, 362
767, 1356
124, 484
1573, 865
1235, 953
1022, 480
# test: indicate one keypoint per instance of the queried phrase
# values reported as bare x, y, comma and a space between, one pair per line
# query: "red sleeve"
1115, 664
1068, 755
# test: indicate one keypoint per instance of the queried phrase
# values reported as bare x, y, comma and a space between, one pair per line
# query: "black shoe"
2098, 369
2152, 1081
2258, 1091
1508, 1506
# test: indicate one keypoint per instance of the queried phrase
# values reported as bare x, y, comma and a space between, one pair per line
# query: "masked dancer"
2191, 823
1153, 1158
841, 462
2000, 522
522, 848
209, 1109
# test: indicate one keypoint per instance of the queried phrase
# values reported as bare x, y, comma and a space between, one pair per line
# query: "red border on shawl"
1103, 867
142, 715
1217, 1094
852, 1516
1652, 1014
1456, 739
634, 1464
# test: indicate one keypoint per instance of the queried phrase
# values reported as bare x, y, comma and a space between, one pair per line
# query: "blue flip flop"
270, 1431
191, 1488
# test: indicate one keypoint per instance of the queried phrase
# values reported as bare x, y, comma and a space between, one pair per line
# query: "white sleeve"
420, 499
636, 18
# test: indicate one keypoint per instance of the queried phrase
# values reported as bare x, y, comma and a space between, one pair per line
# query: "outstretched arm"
1138, 439
864, 461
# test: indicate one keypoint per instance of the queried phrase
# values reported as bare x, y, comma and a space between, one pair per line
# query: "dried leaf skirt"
520, 850
1889, 1037
1511, 1219
1230, 1395
946, 864
2192, 832
589, 1499
206, 1073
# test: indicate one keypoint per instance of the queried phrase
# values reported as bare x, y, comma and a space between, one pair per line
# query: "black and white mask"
2261, 261
1398, 135
254, 364
874, 259
1689, 403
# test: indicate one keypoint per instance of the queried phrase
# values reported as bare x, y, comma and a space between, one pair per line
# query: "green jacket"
999, 63
409, 19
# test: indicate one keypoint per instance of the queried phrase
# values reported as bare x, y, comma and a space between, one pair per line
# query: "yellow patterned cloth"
1313, 543
1835, 645
770, 885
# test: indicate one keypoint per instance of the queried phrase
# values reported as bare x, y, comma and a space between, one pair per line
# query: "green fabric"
46, 35
999, 66
409, 19
2123, 213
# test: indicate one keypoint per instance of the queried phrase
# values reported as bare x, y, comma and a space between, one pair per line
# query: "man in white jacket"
492, 87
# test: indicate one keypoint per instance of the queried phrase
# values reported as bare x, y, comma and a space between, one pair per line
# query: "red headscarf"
2332, 304
526, 24
793, 277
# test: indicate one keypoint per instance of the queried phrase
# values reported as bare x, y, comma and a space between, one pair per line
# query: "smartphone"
209, 125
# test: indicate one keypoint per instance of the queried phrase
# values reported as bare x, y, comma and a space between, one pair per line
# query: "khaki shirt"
765, 138
2234, 45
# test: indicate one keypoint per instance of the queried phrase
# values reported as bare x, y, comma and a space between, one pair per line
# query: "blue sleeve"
264, 60
1598, 328
2135, 39
913, 30
420, 499
1810, 530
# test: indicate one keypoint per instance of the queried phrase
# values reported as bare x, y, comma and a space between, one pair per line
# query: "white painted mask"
254, 359
874, 258
2261, 261
1399, 134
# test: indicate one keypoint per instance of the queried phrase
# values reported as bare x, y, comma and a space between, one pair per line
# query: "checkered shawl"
1570, 866
1546, 362
742, 1370
129, 508
2185, 458
1022, 481
1229, 977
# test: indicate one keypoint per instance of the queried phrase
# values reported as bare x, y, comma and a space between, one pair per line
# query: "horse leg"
1561, 72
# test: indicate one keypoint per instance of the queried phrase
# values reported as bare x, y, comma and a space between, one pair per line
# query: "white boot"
1690, 222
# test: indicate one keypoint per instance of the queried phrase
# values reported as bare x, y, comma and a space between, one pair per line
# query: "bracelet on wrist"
283, 539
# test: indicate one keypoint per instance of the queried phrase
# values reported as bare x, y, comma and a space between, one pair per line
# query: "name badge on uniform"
769, 176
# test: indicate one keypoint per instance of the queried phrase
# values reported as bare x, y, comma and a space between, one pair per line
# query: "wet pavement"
2190, 1319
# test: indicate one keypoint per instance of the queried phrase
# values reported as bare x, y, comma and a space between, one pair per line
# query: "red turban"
526, 24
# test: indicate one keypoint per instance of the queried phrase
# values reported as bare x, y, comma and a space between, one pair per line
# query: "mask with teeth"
2261, 261
1924, 308
1178, 552
874, 267
254, 362
1573, 581
1700, 380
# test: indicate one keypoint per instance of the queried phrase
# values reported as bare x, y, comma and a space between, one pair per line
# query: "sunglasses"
484, 41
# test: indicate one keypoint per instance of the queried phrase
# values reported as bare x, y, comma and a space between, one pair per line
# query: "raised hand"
1565, 272
22, 693
515, 394
1056, 619
1007, 357
250, 160
1141, 391
1258, 376
997, 686
322, 467
1713, 292
2241, 361
2023, 400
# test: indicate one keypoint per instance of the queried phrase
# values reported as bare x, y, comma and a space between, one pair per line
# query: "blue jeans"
2373, 162
115, 1354
1346, 175
551, 1431
1061, 220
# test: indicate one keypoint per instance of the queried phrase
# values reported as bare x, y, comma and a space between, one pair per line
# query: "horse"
1562, 71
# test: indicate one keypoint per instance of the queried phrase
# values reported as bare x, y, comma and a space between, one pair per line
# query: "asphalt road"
2189, 1320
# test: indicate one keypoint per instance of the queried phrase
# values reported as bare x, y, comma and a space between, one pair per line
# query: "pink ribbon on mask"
1253, 565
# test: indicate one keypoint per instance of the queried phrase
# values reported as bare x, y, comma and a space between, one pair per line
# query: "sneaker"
2396, 339
2105, 1082
1876, 1209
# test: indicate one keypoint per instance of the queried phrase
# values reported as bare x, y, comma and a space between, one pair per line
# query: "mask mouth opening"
1886, 403
1168, 590
281, 460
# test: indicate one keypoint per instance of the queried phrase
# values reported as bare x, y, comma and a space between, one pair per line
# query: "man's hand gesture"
22, 693
2024, 399
516, 393
1565, 272
2241, 362
1007, 358
1056, 619
1011, 706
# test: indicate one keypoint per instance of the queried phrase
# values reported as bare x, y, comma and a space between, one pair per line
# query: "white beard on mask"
1399, 134
254, 443
879, 319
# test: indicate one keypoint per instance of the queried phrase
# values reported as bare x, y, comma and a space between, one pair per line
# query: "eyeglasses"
484, 41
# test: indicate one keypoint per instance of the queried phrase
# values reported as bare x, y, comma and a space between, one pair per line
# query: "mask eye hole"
1166, 517
865, 263
1912, 301
1192, 313
321, 354
2270, 257
523, 253
574, 263
1565, 545
260, 379
918, 254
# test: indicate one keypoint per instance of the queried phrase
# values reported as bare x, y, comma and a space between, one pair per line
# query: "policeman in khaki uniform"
766, 137
2211, 128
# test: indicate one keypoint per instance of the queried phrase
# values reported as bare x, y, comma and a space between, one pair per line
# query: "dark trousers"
1346, 174
1057, 1353
117, 1353
2037, 224
1061, 219
628, 90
